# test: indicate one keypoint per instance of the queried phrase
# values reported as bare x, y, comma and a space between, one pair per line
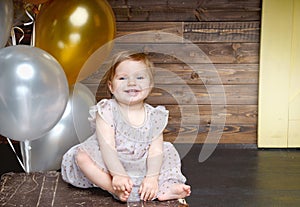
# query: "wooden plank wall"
228, 32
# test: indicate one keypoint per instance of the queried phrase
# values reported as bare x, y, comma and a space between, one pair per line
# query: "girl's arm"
106, 139
155, 156
149, 186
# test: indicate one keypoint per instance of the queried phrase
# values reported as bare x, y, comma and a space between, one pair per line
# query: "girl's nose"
131, 81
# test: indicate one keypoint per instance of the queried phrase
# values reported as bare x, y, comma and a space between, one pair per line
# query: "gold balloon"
72, 30
35, 1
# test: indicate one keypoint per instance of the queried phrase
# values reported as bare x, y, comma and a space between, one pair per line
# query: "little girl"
127, 150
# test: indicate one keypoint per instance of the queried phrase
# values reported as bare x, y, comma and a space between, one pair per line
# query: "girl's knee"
81, 157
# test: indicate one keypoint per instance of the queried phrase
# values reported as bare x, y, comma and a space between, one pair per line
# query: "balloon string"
32, 22
32, 40
27, 155
13, 35
12, 147
29, 15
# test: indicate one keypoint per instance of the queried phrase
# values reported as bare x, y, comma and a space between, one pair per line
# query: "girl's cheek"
146, 86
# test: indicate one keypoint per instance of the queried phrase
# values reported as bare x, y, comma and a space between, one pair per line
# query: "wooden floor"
232, 177
244, 177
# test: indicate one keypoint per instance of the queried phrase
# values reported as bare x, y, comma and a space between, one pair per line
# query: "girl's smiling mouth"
132, 92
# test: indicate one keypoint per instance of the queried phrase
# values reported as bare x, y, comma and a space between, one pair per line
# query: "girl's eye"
140, 77
121, 78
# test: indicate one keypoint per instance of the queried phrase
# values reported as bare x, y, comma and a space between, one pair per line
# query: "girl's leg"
171, 179
176, 191
97, 175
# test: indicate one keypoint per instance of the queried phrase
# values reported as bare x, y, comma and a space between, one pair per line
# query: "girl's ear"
109, 85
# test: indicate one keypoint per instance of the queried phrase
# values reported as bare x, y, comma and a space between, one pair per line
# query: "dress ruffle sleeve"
159, 116
104, 109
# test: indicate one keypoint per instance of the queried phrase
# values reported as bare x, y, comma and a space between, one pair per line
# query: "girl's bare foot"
175, 192
122, 195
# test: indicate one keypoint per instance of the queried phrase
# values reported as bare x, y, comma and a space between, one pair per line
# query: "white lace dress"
132, 144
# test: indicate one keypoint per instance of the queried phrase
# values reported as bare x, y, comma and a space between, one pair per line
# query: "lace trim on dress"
155, 122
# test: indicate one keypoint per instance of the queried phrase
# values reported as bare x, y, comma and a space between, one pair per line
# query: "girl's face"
131, 83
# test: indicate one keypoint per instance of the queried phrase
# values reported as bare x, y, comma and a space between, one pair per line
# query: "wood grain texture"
222, 31
197, 74
49, 190
198, 31
184, 10
231, 134
214, 53
193, 94
227, 34
220, 49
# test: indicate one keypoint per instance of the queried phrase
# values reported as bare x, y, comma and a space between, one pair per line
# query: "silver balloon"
33, 92
83, 99
6, 20
46, 152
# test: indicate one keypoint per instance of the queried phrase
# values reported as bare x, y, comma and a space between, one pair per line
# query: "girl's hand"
122, 183
149, 188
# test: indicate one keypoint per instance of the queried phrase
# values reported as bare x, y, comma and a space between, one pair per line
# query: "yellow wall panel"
294, 91
279, 82
294, 133
275, 55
